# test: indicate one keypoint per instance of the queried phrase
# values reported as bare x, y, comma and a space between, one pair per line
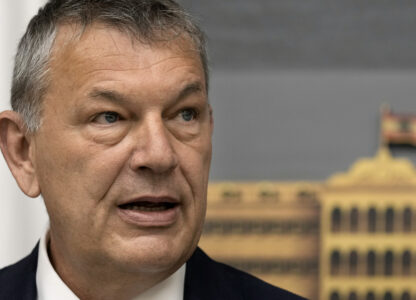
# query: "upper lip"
151, 199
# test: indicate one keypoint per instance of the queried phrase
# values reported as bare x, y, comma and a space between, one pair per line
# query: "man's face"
123, 154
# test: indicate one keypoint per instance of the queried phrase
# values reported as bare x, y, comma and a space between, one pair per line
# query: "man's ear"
15, 144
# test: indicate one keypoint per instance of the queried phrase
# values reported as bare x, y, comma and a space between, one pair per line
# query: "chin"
152, 256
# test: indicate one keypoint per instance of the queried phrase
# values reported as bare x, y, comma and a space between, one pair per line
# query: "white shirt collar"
51, 287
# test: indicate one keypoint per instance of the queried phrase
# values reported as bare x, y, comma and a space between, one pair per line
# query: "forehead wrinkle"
149, 65
107, 69
120, 67
70, 36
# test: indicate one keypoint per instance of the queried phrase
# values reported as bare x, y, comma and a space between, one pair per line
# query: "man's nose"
154, 150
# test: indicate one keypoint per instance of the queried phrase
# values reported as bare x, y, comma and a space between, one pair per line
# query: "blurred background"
296, 88
297, 85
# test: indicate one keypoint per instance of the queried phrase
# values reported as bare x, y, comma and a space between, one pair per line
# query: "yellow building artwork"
352, 237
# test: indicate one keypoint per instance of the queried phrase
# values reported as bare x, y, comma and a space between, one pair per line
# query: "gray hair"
147, 20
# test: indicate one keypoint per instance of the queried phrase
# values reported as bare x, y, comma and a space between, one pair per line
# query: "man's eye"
188, 114
107, 117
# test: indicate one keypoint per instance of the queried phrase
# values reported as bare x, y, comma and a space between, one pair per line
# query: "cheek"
195, 159
100, 168
56, 166
195, 164
78, 170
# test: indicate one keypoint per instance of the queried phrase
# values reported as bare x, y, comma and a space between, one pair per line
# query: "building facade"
351, 237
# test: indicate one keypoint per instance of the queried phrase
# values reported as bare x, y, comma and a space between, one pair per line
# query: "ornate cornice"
381, 170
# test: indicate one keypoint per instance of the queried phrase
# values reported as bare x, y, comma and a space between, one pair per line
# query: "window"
371, 263
406, 262
353, 263
354, 218
370, 296
334, 296
336, 220
388, 263
405, 296
372, 220
389, 220
388, 296
335, 262
407, 219
352, 296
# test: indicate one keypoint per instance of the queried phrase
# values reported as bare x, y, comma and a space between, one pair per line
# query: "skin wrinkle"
133, 69
116, 175
147, 67
180, 40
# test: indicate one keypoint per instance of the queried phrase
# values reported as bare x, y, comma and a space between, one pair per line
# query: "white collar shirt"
51, 287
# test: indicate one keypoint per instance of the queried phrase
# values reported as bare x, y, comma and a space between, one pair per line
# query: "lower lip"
149, 218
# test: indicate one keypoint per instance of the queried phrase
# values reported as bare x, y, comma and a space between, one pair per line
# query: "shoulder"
19, 280
221, 281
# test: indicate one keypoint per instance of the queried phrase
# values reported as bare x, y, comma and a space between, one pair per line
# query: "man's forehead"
72, 39
101, 55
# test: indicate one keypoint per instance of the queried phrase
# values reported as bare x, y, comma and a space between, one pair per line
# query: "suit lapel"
202, 281
18, 281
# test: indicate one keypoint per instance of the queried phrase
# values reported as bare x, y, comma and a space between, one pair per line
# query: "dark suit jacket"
205, 279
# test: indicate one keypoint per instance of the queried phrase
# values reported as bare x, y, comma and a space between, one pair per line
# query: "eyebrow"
116, 97
107, 94
194, 87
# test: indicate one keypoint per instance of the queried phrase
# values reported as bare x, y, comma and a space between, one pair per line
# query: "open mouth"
147, 206
150, 211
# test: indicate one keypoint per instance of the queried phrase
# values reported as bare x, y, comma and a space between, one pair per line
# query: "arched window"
406, 262
353, 262
388, 296
372, 220
354, 219
352, 296
405, 296
371, 263
370, 296
336, 219
407, 219
335, 262
334, 296
389, 220
388, 263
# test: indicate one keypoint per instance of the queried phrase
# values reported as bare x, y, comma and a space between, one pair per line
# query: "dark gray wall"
300, 125
297, 85
376, 34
